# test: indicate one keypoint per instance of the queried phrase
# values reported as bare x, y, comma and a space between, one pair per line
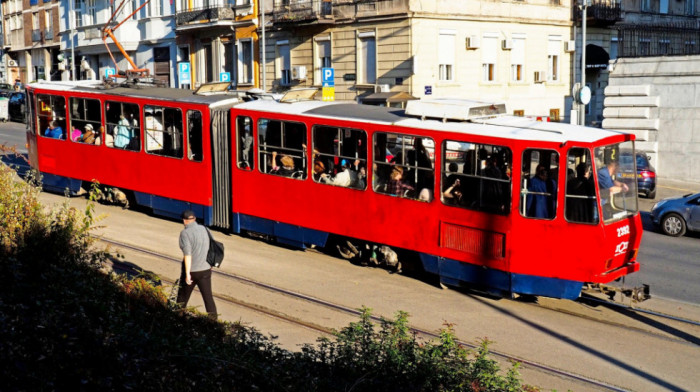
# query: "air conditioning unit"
299, 72
507, 44
11, 63
382, 88
540, 76
473, 42
570, 46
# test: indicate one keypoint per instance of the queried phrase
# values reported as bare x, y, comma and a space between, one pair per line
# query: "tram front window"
617, 180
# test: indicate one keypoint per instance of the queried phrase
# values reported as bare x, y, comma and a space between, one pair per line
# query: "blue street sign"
328, 77
428, 90
224, 76
184, 72
109, 72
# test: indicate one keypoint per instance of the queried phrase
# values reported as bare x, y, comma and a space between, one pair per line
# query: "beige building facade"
519, 53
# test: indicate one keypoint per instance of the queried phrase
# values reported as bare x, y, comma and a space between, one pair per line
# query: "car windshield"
617, 180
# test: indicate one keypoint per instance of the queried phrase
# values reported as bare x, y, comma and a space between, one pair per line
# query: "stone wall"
658, 99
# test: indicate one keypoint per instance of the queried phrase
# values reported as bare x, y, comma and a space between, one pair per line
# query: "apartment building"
217, 41
30, 40
517, 52
628, 29
147, 34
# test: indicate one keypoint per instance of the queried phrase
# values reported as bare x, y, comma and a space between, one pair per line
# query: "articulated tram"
483, 199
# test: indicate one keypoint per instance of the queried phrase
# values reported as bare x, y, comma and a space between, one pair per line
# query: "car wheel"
673, 225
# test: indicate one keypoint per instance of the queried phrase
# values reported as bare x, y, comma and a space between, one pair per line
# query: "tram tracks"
280, 315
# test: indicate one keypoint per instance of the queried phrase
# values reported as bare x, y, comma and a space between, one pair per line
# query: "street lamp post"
582, 105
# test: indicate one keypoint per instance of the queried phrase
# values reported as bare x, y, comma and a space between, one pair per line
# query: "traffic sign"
184, 72
328, 77
428, 90
328, 93
224, 76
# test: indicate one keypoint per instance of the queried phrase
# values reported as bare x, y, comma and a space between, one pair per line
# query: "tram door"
221, 165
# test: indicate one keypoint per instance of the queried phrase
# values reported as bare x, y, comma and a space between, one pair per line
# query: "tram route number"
621, 248
622, 231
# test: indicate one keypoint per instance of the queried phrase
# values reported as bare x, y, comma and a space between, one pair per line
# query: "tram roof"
170, 94
505, 126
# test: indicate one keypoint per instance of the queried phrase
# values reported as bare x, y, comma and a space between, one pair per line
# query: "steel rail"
347, 310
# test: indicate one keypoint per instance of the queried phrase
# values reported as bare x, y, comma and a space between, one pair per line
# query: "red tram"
503, 203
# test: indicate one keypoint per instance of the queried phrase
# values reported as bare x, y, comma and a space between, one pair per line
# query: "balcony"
676, 39
303, 11
217, 13
601, 13
36, 35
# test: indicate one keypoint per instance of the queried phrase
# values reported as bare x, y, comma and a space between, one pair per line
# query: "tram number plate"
622, 231
621, 248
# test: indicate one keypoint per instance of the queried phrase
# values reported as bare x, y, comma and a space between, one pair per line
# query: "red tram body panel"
507, 204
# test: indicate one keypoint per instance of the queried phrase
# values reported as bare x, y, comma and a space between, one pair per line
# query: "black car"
646, 174
16, 106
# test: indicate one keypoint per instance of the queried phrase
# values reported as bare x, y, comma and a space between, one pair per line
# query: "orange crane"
134, 72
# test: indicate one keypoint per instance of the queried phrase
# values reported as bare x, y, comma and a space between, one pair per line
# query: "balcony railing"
660, 40
288, 11
601, 12
215, 11
36, 35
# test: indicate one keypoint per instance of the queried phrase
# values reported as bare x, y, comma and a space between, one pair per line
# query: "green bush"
68, 325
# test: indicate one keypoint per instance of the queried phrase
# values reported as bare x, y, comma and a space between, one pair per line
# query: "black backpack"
216, 251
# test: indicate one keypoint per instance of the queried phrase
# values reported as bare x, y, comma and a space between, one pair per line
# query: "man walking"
194, 242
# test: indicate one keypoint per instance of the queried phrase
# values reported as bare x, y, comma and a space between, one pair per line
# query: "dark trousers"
201, 279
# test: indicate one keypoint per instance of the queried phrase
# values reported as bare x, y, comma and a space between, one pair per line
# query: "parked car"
675, 215
16, 106
646, 174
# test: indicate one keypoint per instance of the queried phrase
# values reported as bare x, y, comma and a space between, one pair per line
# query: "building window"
446, 54
663, 7
690, 7
519, 113
553, 54
154, 8
163, 131
644, 47
665, 47
78, 12
90, 12
322, 58
245, 61
340, 156
367, 58
489, 51
517, 58
284, 63
646, 6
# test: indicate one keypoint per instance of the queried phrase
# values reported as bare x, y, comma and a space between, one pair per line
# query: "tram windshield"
617, 180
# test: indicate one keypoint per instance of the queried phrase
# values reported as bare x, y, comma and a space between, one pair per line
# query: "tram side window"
122, 126
85, 120
538, 193
244, 139
51, 116
194, 135
580, 205
340, 156
476, 176
282, 148
163, 131
404, 166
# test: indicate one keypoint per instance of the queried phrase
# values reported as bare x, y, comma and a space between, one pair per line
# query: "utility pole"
584, 7
261, 4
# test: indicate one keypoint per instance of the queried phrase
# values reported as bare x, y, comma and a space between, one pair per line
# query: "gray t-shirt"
194, 241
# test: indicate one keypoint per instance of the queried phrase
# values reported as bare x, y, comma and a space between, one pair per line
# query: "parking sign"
184, 72
224, 76
328, 77
109, 72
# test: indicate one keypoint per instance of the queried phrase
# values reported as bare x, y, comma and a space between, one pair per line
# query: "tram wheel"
673, 225
347, 250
